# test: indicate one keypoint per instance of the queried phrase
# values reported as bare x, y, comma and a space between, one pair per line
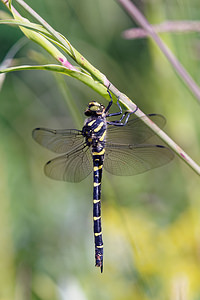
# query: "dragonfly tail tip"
101, 268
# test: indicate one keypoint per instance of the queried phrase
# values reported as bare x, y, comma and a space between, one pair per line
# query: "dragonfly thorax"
95, 109
94, 130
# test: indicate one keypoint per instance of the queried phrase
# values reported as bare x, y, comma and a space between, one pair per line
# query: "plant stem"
164, 137
168, 26
70, 49
138, 17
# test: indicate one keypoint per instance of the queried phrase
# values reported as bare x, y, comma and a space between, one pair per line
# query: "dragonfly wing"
72, 167
59, 141
135, 159
135, 131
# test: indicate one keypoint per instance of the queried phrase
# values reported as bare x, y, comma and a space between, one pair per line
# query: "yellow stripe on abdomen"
96, 218
99, 153
96, 201
98, 233
100, 246
98, 168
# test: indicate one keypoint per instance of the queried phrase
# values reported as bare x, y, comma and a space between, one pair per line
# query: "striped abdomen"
95, 131
98, 157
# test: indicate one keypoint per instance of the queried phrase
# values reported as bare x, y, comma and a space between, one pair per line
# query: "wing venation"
59, 141
72, 167
135, 159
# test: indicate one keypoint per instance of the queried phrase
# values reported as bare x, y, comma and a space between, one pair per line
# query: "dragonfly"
120, 147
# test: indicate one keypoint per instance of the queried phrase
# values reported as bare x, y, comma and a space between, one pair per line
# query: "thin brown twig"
168, 26
139, 18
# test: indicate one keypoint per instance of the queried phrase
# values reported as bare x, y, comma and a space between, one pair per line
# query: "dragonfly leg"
119, 122
126, 114
111, 100
110, 104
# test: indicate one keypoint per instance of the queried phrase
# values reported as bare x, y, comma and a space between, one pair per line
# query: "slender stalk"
164, 137
36, 36
138, 17
70, 49
168, 26
9, 57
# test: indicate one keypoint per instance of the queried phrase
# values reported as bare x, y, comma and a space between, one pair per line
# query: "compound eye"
94, 108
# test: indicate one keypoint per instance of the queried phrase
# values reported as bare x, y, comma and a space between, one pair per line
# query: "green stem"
82, 61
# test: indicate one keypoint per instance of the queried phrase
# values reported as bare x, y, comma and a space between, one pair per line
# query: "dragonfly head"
95, 109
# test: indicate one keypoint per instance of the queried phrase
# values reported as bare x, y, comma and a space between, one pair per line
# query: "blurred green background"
151, 222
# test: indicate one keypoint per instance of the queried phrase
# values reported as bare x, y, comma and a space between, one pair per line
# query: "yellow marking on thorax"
102, 137
98, 168
96, 218
91, 122
99, 153
96, 184
99, 127
96, 201
98, 233
100, 246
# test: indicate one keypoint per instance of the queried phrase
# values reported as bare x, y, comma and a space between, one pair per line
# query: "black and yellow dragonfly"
119, 146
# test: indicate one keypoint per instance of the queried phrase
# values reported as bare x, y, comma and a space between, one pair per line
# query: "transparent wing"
59, 141
135, 159
72, 167
134, 132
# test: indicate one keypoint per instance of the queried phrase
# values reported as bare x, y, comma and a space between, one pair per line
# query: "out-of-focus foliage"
151, 224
